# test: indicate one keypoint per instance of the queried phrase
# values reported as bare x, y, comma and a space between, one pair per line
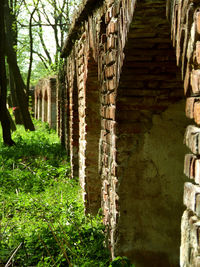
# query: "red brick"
111, 71
111, 42
112, 27
197, 112
198, 22
197, 171
111, 57
111, 84
192, 139
187, 79
190, 193
195, 81
187, 164
198, 52
189, 109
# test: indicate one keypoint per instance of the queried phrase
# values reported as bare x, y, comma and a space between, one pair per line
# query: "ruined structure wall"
45, 101
73, 118
139, 168
185, 25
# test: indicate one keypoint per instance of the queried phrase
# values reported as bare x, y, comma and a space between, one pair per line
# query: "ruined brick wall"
185, 22
126, 121
45, 101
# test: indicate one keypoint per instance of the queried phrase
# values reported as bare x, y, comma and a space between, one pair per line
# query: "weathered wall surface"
149, 157
45, 101
151, 195
121, 117
185, 23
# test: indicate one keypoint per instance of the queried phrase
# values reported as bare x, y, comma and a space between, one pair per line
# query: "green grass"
41, 210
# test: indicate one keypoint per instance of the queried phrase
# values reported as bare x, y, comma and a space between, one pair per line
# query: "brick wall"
45, 101
124, 121
185, 33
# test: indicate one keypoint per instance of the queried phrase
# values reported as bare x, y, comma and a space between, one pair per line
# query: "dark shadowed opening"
93, 127
75, 129
151, 121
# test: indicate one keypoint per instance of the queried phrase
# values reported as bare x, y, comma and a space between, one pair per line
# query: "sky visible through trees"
48, 22
34, 32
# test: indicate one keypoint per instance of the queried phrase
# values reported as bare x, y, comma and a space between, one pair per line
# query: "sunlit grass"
41, 210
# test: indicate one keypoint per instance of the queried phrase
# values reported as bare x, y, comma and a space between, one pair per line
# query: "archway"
92, 136
150, 128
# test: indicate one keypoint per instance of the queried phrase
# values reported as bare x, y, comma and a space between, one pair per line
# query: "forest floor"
42, 221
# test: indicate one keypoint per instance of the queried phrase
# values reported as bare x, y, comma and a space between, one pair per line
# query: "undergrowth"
42, 221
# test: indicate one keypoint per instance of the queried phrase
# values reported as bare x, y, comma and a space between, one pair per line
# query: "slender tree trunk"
16, 110
19, 83
31, 49
15, 104
3, 86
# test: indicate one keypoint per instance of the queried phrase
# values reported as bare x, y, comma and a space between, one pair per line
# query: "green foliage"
41, 210
121, 262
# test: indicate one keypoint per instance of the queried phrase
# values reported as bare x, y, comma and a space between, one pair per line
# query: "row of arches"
45, 101
120, 114
124, 128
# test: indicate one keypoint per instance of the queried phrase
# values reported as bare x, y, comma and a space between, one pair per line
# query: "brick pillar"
52, 113
40, 106
73, 119
185, 32
93, 125
89, 124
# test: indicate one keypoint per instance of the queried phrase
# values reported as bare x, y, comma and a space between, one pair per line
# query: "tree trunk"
16, 110
3, 86
12, 124
19, 83
31, 49
15, 104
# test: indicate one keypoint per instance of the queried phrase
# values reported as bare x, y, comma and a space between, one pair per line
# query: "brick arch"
141, 102
45, 104
73, 129
185, 21
149, 108
90, 127
38, 103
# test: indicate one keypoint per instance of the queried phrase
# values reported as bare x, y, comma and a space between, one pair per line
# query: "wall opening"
45, 107
36, 106
93, 128
74, 127
40, 106
150, 127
